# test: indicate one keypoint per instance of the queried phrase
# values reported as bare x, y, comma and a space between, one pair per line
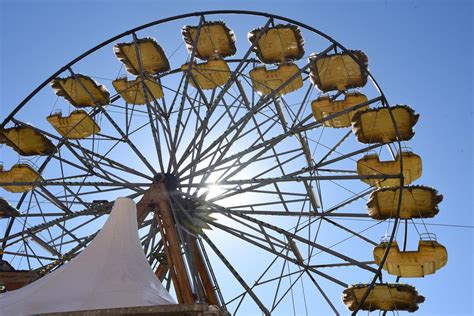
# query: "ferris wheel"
263, 156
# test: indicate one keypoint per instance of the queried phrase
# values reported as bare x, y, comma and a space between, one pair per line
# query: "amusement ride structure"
264, 168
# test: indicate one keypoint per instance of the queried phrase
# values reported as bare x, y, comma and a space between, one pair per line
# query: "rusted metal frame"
39, 215
205, 289
202, 276
152, 231
216, 289
161, 271
236, 274
172, 245
156, 252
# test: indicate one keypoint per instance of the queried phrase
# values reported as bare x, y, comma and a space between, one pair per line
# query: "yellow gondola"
27, 141
81, 91
19, 173
77, 125
384, 297
417, 202
371, 165
376, 125
152, 57
278, 44
215, 39
324, 107
133, 91
209, 75
430, 257
339, 71
7, 211
266, 81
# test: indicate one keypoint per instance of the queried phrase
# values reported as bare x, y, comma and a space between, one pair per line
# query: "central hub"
170, 181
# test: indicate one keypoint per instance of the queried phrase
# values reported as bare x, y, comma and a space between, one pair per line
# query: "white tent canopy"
111, 272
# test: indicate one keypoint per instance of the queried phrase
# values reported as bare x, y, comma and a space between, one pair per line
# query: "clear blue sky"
420, 52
